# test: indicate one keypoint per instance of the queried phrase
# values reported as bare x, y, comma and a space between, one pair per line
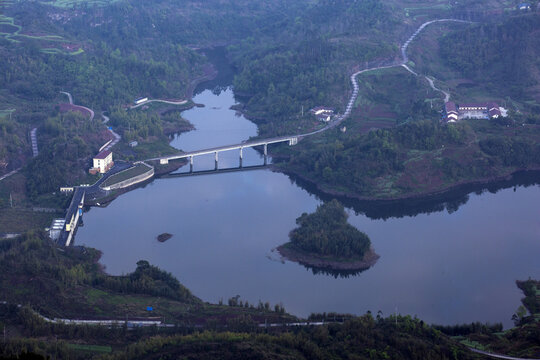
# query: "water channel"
445, 267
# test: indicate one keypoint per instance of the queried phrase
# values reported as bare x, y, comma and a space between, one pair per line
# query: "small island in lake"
164, 237
326, 240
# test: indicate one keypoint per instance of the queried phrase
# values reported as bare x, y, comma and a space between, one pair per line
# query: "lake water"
445, 267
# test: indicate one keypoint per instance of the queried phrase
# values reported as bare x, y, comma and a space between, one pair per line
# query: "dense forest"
70, 283
502, 55
313, 69
361, 338
414, 158
326, 232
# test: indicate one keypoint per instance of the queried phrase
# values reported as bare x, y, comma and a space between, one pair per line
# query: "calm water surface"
445, 268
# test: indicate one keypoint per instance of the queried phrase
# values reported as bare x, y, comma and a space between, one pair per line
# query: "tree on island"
326, 232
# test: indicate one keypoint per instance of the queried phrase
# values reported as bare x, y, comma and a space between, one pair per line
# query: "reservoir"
446, 267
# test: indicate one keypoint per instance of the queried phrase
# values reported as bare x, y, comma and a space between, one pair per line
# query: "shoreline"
419, 197
312, 260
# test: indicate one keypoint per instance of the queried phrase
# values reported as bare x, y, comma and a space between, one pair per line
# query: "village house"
454, 112
451, 111
102, 162
322, 113
322, 110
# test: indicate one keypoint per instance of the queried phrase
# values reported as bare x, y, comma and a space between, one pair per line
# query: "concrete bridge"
291, 140
73, 214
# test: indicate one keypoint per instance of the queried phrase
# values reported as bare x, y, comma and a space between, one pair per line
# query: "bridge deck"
227, 148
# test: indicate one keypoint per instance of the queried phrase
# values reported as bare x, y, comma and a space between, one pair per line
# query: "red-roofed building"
451, 111
103, 162
456, 112
493, 110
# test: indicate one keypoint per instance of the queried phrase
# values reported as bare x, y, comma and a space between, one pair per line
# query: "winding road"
79, 106
68, 95
180, 102
403, 64
117, 137
354, 95
498, 356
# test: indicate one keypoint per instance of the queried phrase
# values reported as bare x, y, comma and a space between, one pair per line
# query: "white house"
102, 162
322, 110
140, 100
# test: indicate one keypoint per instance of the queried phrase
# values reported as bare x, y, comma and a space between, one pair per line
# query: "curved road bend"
117, 137
406, 58
403, 63
354, 82
68, 95
82, 107
498, 356
181, 102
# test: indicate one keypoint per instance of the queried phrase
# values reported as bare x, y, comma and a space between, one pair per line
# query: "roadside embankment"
134, 175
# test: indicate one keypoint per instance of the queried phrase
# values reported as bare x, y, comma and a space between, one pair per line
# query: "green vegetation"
19, 220
90, 348
69, 283
136, 170
522, 341
393, 96
326, 232
359, 338
501, 56
71, 140
415, 158
322, 46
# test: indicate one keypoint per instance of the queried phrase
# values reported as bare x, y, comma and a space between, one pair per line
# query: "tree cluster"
326, 232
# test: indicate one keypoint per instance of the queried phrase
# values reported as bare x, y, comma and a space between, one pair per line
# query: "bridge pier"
216, 157
191, 164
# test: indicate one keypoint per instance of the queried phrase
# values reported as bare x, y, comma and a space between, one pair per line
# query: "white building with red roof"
455, 112
102, 162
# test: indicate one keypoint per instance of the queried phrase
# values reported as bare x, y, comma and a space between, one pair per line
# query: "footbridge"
291, 140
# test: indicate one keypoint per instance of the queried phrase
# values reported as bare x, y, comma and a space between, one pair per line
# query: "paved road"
415, 34
82, 107
33, 138
68, 95
405, 57
498, 356
117, 137
180, 102
9, 174
446, 95
339, 118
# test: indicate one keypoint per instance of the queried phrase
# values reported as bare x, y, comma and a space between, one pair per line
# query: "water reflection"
449, 201
449, 260
343, 274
